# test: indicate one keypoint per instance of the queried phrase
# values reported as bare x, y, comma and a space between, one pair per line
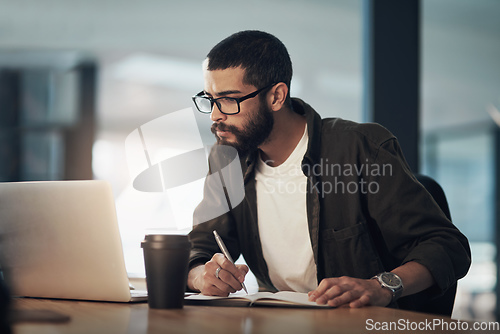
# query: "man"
329, 204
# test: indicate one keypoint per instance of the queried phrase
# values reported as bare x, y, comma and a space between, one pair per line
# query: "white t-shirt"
282, 219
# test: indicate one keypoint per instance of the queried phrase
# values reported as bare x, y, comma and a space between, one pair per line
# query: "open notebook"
277, 299
60, 239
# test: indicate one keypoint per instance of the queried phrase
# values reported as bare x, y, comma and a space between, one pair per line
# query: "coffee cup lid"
166, 241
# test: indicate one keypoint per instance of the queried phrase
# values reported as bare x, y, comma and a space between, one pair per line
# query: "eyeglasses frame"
237, 99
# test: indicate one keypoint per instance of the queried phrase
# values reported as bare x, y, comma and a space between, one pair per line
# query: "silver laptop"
60, 239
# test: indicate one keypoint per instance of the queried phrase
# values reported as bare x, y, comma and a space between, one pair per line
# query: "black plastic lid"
166, 241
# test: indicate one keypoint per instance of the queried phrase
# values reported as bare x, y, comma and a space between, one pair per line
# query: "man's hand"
355, 292
350, 292
203, 278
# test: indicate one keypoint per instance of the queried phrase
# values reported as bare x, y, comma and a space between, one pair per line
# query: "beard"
253, 134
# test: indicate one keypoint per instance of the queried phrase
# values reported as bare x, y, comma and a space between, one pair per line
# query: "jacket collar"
314, 133
313, 128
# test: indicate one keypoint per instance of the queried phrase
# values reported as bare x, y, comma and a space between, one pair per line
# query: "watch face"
391, 280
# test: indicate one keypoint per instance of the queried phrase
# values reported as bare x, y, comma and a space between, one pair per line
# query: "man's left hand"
350, 292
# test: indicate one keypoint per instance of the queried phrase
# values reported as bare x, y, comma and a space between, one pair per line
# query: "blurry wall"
460, 82
149, 55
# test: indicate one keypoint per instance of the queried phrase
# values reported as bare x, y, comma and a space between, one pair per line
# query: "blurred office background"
76, 77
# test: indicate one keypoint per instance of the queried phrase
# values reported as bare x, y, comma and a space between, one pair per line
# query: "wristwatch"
392, 282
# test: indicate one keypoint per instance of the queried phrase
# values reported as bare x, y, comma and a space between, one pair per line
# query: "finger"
228, 278
323, 286
344, 299
211, 266
210, 279
231, 283
331, 293
244, 268
214, 287
360, 302
227, 265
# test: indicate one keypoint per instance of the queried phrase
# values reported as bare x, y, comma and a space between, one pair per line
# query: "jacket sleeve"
411, 223
213, 213
203, 241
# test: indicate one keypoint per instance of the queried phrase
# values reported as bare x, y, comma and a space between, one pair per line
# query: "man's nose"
216, 115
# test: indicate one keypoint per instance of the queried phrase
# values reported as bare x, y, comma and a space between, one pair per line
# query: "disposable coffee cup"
166, 263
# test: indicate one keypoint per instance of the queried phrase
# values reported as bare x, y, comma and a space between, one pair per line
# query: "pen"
226, 253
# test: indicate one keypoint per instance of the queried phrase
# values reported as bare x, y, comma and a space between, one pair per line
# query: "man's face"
248, 129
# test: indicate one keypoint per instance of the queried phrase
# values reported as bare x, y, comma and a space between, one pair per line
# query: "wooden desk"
110, 318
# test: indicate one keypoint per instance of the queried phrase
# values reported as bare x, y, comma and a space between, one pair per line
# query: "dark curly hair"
263, 56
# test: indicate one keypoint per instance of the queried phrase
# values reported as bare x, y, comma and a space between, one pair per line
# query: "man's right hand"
203, 278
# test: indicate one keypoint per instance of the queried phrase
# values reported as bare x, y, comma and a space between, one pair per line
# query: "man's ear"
278, 96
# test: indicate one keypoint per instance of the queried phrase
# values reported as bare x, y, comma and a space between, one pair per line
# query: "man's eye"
227, 100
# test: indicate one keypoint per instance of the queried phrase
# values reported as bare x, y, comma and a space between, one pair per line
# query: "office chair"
442, 305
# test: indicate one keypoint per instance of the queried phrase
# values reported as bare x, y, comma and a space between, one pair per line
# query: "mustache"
223, 127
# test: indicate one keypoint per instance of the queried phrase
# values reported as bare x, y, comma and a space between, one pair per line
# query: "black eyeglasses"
226, 105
